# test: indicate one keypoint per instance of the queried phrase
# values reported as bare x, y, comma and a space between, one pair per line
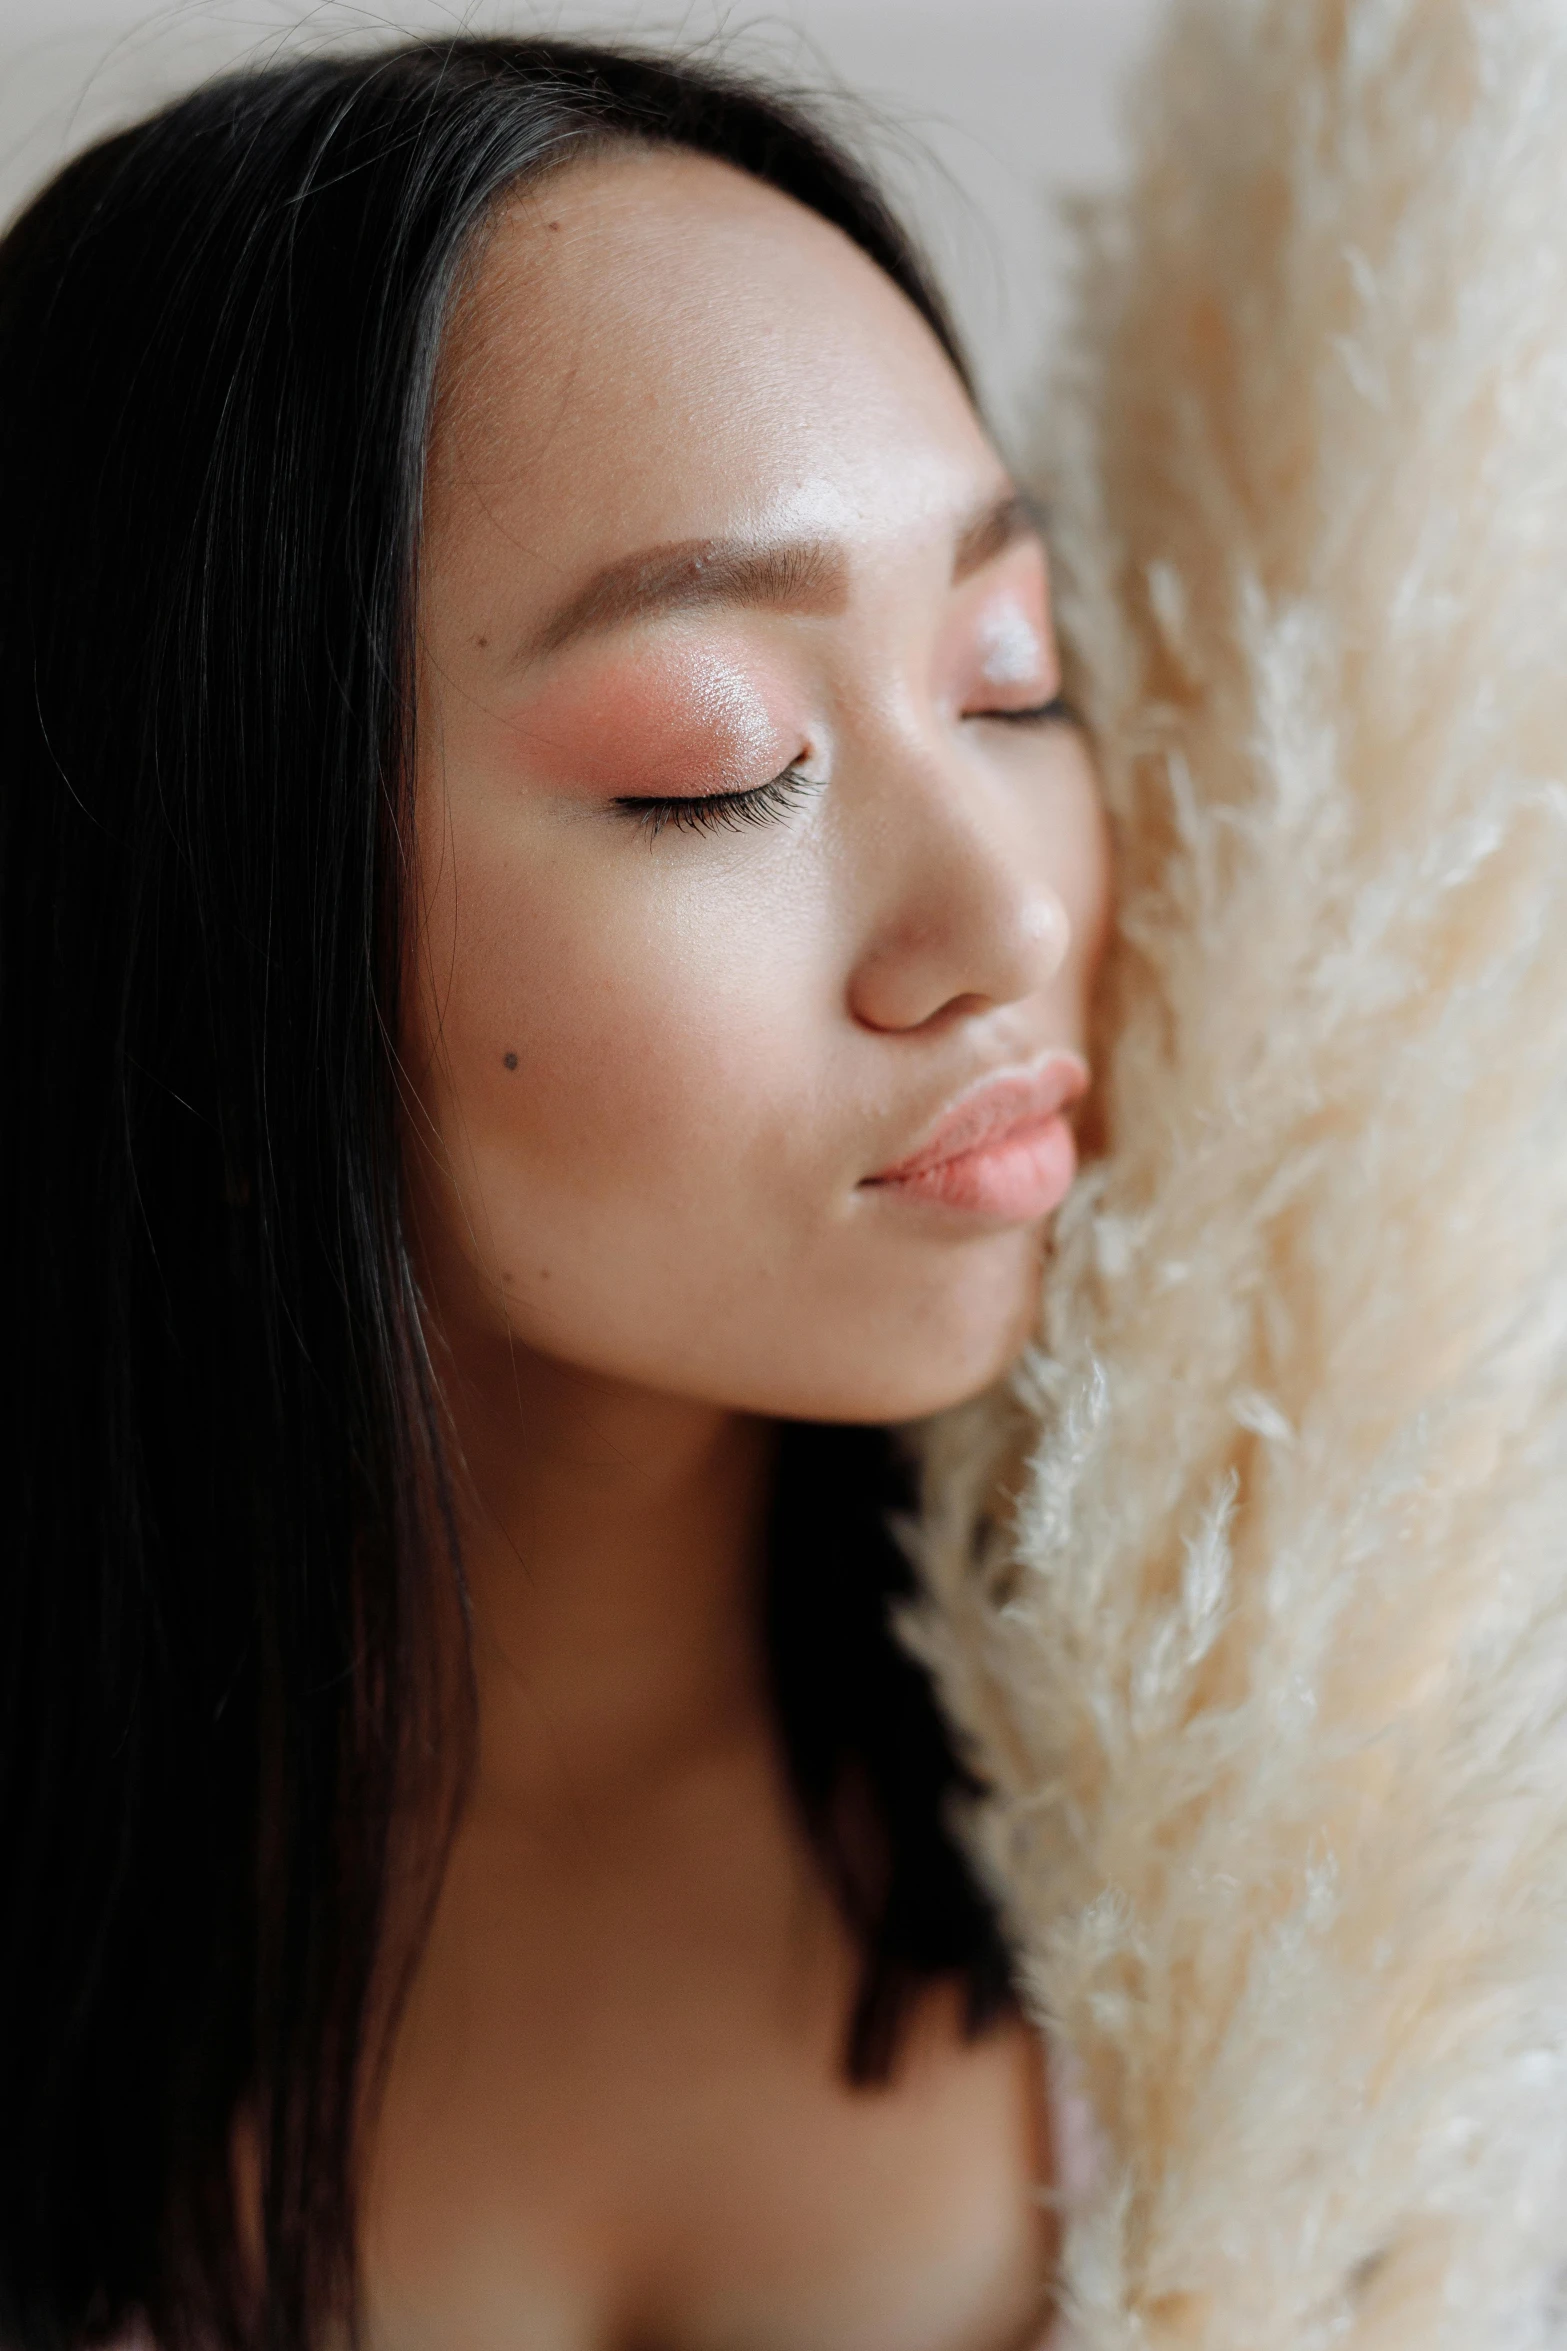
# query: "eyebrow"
787, 575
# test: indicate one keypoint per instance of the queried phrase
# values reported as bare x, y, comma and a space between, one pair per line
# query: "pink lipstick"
1003, 1149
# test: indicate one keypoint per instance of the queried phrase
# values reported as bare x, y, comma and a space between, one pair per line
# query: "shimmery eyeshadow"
676, 723
1010, 650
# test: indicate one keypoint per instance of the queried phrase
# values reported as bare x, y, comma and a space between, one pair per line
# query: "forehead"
652, 345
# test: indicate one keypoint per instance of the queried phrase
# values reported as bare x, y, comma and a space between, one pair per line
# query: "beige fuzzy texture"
1269, 1671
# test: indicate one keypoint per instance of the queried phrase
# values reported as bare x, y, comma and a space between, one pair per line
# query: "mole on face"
510, 1060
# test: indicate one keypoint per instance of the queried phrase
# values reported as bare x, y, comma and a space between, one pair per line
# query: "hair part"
219, 337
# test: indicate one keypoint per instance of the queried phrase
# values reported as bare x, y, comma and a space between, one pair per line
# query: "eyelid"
709, 811
1057, 711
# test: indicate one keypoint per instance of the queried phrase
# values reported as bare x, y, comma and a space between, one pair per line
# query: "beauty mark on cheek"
1011, 650
678, 723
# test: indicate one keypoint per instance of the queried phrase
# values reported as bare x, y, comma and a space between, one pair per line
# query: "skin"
649, 1068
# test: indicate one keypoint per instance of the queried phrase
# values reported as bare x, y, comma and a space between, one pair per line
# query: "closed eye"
1058, 711
718, 811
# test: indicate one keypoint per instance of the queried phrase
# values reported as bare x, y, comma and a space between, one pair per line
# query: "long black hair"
220, 1466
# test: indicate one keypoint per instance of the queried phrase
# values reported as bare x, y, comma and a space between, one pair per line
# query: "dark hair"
218, 334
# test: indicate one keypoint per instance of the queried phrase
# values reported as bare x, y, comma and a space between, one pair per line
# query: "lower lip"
1024, 1174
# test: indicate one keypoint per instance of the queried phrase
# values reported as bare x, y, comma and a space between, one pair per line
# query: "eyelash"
729, 811
1057, 711
718, 811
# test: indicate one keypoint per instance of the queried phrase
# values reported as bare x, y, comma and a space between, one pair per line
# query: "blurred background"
981, 115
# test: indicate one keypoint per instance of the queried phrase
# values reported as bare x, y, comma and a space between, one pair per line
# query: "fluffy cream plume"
1263, 1645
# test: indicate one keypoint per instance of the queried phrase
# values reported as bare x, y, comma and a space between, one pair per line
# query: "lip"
1003, 1149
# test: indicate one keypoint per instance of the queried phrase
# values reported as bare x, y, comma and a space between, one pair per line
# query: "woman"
550, 901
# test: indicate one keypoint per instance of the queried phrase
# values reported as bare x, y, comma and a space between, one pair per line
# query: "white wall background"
983, 113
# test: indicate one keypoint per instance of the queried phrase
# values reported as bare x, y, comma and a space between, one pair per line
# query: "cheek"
606, 1036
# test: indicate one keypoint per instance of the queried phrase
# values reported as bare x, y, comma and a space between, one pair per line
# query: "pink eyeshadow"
666, 724
1006, 647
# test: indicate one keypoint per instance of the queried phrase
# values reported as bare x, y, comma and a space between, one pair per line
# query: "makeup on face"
1003, 1149
1000, 654
678, 1074
667, 713
667, 717
1011, 646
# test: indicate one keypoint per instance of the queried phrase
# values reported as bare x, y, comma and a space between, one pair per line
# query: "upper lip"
989, 1110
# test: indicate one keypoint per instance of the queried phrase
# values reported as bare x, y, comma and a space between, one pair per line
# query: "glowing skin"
660, 1069
652, 1071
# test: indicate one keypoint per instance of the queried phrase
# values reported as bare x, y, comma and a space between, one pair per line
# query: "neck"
612, 1539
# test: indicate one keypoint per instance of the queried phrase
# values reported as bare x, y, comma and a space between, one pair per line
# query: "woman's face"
740, 860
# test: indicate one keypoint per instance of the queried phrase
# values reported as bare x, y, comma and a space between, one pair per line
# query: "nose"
965, 917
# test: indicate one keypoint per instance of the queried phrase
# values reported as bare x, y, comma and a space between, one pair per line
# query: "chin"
927, 1372
946, 1387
